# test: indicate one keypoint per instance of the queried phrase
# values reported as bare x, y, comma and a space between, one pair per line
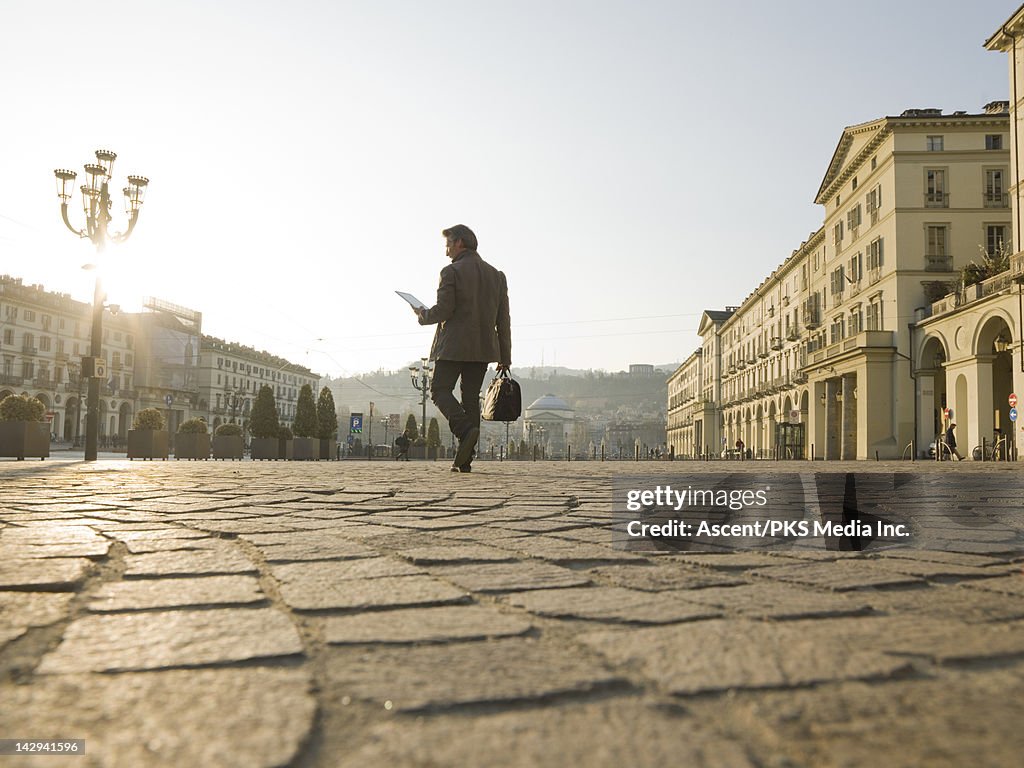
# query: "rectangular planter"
328, 449
227, 447
305, 449
417, 451
147, 444
25, 439
270, 449
191, 446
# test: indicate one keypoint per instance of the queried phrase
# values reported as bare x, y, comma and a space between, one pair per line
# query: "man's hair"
463, 233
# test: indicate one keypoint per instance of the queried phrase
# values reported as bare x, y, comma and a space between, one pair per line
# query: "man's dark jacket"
471, 312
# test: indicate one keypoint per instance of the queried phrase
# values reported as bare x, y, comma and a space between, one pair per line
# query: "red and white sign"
946, 412
1013, 400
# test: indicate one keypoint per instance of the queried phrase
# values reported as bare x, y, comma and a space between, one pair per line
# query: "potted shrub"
264, 426
285, 440
418, 449
433, 438
23, 428
147, 439
327, 423
227, 442
306, 445
192, 440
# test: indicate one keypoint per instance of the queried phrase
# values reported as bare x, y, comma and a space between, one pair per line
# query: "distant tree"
326, 415
306, 424
433, 433
524, 449
264, 421
412, 431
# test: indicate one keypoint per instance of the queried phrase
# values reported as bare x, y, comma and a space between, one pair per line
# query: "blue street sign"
1013, 414
169, 399
355, 423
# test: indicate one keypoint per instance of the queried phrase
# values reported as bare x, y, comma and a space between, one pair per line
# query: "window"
60, 324
129, 341
994, 141
28, 342
60, 346
855, 268
936, 240
853, 217
44, 343
128, 361
935, 189
874, 313
30, 316
117, 335
934, 143
874, 162
856, 323
116, 361
11, 312
46, 322
837, 281
875, 254
218, 379
836, 330
9, 337
995, 238
837, 235
28, 369
854, 184
994, 189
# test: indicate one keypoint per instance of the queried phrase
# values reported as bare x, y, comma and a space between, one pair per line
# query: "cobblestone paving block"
950, 641
49, 534
319, 575
474, 673
659, 578
383, 592
128, 534
1007, 585
147, 546
49, 573
19, 611
325, 548
722, 654
562, 551
137, 641
214, 560
510, 577
91, 549
729, 561
778, 601
455, 553
424, 625
958, 719
144, 594
230, 717
928, 569
939, 556
611, 604
949, 602
542, 526
839, 576
616, 732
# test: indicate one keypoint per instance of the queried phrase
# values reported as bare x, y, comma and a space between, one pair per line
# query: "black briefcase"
504, 399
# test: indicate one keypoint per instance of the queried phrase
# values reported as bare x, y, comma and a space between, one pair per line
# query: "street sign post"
355, 424
1013, 400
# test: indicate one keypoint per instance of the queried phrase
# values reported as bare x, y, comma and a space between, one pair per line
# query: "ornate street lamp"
421, 376
96, 203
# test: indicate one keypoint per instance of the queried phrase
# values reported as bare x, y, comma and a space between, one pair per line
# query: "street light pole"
97, 203
421, 383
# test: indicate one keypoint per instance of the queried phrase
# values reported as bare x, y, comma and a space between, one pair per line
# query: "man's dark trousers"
465, 415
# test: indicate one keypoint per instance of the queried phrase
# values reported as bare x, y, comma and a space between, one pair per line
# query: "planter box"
270, 448
227, 447
417, 451
328, 449
191, 446
305, 449
147, 444
25, 439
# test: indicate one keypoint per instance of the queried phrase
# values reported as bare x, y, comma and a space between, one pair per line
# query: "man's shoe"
466, 445
463, 468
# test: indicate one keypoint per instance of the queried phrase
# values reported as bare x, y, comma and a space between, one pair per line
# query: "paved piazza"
384, 614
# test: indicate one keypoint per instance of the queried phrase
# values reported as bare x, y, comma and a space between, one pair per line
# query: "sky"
627, 163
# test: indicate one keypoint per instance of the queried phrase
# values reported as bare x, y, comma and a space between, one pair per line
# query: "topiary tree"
306, 423
412, 431
149, 419
433, 433
22, 408
284, 433
193, 427
228, 430
264, 421
326, 415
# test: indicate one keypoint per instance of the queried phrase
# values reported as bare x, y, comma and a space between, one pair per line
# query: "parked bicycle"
994, 451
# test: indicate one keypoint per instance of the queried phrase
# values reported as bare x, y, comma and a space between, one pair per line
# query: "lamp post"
97, 203
421, 375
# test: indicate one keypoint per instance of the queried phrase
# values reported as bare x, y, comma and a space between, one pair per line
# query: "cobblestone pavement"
365, 614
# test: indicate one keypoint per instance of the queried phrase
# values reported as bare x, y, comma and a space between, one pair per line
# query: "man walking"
473, 329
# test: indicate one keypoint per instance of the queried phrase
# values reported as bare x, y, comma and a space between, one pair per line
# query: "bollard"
501, 453
568, 452
812, 451
602, 452
913, 450
876, 455
984, 446
535, 452
636, 453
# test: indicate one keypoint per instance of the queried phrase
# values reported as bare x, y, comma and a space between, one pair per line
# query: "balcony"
874, 275
997, 200
28, 349
776, 342
793, 335
762, 353
937, 263
936, 200
44, 382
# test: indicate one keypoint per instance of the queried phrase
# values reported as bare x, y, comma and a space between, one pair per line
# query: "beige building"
819, 359
683, 392
230, 375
